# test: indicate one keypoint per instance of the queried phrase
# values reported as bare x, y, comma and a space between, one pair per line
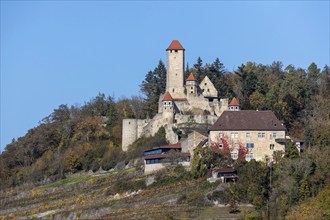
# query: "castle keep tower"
175, 69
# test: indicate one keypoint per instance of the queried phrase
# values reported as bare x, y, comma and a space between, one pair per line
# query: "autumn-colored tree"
71, 161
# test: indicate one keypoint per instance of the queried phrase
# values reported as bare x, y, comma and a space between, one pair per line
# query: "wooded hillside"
88, 137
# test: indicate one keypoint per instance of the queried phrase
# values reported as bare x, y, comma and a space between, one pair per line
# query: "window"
191, 87
220, 135
261, 135
208, 90
250, 145
236, 107
271, 146
274, 134
248, 135
236, 145
233, 135
220, 145
234, 155
176, 50
249, 156
205, 83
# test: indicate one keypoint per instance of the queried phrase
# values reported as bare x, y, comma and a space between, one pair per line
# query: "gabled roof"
233, 102
167, 97
172, 146
191, 77
247, 120
175, 45
224, 170
161, 156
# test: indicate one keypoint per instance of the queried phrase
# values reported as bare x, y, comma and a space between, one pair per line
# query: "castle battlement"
183, 102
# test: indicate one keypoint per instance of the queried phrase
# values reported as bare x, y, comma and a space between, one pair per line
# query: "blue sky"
66, 52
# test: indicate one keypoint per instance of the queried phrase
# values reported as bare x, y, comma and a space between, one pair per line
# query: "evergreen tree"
153, 86
217, 71
248, 81
325, 82
199, 69
313, 75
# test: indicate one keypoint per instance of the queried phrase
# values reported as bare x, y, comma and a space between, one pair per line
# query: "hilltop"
72, 164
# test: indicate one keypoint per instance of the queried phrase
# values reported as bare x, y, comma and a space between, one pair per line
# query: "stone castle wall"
208, 88
199, 119
190, 144
132, 130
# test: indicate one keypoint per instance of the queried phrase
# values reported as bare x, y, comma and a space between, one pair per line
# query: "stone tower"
191, 88
168, 108
175, 70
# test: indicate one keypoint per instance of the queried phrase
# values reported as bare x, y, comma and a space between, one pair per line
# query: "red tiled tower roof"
234, 102
167, 97
191, 77
175, 45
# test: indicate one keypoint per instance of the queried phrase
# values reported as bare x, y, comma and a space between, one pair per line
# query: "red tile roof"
191, 77
234, 102
180, 99
161, 156
167, 97
173, 146
175, 45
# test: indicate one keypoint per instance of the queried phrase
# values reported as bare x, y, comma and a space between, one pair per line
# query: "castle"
184, 101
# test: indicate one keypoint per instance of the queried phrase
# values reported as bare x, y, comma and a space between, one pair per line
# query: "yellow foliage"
36, 192
314, 208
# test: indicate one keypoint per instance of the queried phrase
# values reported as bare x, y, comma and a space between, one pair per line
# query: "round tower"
175, 69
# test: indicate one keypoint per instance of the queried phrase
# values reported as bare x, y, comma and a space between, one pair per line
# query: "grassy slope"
93, 196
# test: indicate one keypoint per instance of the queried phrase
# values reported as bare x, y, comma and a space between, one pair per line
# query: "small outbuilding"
224, 175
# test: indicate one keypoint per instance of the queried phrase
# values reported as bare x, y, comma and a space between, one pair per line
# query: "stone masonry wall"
261, 145
132, 129
174, 76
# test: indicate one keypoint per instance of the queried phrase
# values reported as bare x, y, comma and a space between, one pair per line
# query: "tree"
153, 86
199, 69
257, 101
248, 81
71, 161
313, 74
324, 90
291, 151
216, 75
